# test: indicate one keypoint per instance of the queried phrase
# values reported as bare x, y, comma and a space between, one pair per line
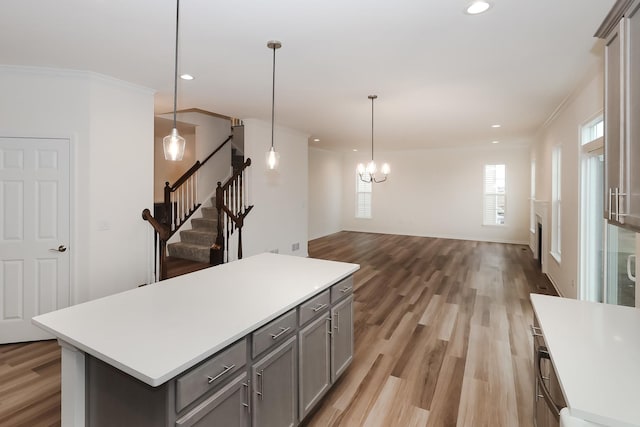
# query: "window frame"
363, 188
486, 194
556, 203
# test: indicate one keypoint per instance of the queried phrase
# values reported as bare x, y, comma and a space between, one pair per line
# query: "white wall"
438, 193
280, 216
211, 131
325, 192
564, 130
110, 124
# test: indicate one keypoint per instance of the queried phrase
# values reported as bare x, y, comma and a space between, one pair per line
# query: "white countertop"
155, 332
595, 349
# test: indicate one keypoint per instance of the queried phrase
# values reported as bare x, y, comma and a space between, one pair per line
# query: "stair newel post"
216, 255
168, 214
163, 259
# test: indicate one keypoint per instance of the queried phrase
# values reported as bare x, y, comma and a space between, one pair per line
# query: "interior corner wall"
211, 131
111, 178
564, 130
325, 192
439, 193
279, 218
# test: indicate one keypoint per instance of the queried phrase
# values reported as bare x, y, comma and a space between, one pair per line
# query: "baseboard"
448, 236
555, 286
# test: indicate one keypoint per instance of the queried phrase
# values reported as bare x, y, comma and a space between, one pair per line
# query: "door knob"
60, 248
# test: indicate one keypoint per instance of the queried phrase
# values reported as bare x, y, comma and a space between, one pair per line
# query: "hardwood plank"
441, 332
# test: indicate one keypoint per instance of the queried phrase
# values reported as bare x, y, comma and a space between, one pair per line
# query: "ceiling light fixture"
371, 168
173, 144
273, 157
316, 139
477, 7
186, 77
495, 142
496, 126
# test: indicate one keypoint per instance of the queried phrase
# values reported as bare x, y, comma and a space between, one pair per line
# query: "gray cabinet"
228, 407
341, 337
622, 106
275, 394
314, 362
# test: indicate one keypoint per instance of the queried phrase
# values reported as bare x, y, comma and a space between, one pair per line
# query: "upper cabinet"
621, 30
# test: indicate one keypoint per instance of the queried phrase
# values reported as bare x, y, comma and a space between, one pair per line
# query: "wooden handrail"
162, 229
197, 165
235, 175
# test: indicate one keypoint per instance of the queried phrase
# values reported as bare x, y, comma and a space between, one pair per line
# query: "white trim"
556, 257
555, 286
443, 236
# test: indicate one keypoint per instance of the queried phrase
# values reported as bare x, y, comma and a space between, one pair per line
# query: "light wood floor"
441, 339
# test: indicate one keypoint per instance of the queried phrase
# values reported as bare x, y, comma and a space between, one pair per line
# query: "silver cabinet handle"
247, 405
60, 248
536, 331
319, 307
610, 196
629, 274
346, 289
261, 378
328, 323
337, 327
618, 195
555, 408
224, 371
282, 331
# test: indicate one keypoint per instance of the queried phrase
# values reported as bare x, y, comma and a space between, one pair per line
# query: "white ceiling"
442, 77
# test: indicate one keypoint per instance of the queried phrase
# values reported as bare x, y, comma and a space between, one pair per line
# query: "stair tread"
188, 245
199, 231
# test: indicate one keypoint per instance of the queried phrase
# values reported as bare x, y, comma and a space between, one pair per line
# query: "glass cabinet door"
621, 266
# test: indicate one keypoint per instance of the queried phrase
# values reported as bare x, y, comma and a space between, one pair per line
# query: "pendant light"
371, 169
273, 157
173, 144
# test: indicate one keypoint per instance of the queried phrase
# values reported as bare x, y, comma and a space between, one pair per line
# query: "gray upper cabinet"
632, 114
314, 363
275, 388
341, 337
622, 106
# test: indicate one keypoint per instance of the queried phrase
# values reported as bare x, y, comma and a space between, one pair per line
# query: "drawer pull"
536, 331
319, 307
282, 331
346, 289
226, 369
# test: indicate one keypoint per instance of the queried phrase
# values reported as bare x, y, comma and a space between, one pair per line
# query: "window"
494, 195
592, 130
556, 200
363, 196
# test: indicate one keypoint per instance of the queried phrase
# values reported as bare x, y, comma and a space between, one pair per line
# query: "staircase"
195, 244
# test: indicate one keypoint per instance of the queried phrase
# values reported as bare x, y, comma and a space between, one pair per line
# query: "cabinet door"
341, 337
275, 391
314, 365
632, 161
612, 120
228, 407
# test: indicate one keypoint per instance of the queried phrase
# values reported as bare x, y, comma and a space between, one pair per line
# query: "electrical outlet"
295, 247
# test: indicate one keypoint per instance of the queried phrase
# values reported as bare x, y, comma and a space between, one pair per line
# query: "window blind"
363, 197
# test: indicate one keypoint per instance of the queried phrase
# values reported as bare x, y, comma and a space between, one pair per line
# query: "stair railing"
180, 202
181, 198
232, 203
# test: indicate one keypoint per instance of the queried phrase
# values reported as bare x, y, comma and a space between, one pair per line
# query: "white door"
34, 233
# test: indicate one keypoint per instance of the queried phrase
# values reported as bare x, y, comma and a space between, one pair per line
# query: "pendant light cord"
372, 128
273, 94
175, 76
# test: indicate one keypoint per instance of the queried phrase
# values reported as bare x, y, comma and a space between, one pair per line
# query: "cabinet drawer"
314, 307
274, 332
342, 289
210, 374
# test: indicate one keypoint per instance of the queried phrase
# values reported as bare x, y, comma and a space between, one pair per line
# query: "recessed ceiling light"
355, 149
477, 7
495, 142
496, 126
186, 77
316, 139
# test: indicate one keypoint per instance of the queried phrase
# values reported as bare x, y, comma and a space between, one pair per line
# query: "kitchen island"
595, 350
173, 352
